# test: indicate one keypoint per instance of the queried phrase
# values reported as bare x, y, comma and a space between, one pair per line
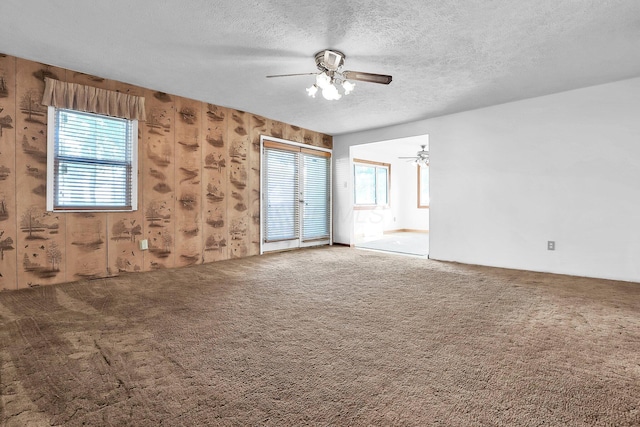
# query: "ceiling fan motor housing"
329, 60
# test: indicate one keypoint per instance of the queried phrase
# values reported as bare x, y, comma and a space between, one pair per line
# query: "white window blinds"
282, 195
316, 194
94, 164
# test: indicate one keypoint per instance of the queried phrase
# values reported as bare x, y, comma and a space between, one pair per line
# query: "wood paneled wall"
198, 188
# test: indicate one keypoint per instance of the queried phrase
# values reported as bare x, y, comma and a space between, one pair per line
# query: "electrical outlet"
551, 245
144, 244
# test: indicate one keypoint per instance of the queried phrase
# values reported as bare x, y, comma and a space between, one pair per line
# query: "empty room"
338, 213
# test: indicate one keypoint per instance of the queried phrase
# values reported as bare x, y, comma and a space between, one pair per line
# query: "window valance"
93, 100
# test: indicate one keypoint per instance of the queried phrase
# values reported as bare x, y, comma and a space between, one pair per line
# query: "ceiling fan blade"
367, 77
290, 75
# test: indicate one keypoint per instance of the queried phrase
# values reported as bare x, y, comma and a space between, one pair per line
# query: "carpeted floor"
329, 336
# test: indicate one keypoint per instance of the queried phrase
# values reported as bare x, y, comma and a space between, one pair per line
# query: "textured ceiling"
445, 56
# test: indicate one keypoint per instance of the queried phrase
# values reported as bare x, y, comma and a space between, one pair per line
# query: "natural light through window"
91, 162
371, 183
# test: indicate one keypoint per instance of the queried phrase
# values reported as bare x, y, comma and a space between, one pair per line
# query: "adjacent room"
340, 213
391, 196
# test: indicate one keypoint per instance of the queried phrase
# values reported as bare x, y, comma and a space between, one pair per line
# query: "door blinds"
282, 195
296, 193
315, 221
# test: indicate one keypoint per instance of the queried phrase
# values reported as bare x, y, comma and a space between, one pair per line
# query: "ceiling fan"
330, 63
421, 158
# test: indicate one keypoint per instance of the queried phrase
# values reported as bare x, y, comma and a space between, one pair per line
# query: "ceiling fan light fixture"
312, 90
348, 87
331, 75
330, 93
323, 80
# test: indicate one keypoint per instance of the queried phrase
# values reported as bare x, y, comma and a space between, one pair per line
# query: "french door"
296, 196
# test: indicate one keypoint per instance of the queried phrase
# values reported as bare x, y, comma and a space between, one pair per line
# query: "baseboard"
342, 244
405, 230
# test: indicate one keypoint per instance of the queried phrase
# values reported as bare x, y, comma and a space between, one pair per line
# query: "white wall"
506, 179
410, 217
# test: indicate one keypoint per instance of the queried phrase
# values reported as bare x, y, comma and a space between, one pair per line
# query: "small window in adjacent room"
91, 162
371, 183
423, 187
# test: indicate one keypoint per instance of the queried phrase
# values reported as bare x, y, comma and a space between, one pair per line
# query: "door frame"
291, 244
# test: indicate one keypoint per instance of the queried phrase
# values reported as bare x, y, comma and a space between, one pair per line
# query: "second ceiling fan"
421, 158
330, 63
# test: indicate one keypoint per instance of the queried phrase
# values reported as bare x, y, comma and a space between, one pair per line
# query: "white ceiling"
445, 56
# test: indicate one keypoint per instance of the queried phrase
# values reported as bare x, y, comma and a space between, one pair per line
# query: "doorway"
401, 224
296, 195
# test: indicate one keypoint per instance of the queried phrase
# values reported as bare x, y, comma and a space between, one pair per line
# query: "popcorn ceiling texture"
445, 56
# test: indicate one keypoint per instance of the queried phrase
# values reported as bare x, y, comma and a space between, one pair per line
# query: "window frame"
376, 165
421, 204
52, 132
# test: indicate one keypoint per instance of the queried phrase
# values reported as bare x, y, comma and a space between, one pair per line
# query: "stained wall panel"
126, 229
215, 162
86, 233
86, 249
293, 133
88, 80
258, 126
41, 249
8, 220
275, 129
158, 183
326, 141
199, 186
188, 157
238, 203
124, 232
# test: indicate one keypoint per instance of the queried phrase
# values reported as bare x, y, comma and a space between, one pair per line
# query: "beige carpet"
326, 337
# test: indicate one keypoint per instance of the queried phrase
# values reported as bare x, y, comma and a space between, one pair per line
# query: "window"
91, 162
371, 183
423, 187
